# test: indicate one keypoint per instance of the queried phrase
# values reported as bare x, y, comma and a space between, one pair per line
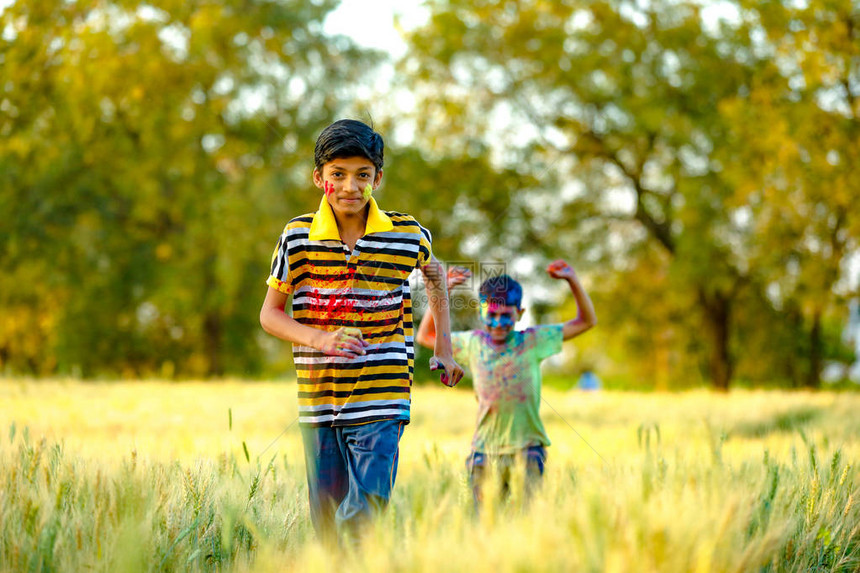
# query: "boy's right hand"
345, 341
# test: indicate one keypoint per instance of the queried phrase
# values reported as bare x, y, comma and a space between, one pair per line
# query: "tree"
629, 95
149, 158
798, 133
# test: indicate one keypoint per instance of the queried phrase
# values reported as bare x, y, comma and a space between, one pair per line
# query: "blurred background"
696, 162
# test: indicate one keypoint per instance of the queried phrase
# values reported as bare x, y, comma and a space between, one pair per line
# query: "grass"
155, 476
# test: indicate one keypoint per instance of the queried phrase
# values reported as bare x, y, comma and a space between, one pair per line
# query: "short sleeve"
425, 249
279, 275
547, 340
461, 342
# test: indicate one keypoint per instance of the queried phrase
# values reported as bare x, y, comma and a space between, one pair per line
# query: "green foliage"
698, 169
672, 495
789, 421
140, 516
150, 157
461, 198
724, 143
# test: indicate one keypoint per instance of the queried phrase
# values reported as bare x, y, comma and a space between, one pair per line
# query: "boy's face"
345, 182
499, 319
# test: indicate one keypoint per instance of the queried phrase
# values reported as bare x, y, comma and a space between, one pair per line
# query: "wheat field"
209, 476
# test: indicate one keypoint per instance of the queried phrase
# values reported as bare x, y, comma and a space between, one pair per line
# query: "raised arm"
341, 342
586, 318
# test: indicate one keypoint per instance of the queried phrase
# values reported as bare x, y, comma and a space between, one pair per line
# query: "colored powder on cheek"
329, 189
506, 320
368, 191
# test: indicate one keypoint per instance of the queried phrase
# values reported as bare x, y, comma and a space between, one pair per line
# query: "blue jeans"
351, 472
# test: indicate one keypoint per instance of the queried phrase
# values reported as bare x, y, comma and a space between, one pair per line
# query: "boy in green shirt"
505, 365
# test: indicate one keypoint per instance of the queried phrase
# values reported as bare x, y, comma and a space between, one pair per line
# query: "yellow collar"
324, 225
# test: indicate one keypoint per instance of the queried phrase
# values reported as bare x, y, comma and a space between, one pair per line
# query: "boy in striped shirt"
347, 267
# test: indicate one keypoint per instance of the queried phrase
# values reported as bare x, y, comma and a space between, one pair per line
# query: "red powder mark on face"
329, 188
496, 307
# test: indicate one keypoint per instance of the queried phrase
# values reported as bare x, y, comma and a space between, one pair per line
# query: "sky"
375, 27
380, 28
369, 27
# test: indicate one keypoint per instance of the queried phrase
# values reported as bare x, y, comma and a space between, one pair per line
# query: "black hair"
502, 289
349, 138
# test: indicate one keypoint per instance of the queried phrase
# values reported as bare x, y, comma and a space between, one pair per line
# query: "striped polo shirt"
367, 288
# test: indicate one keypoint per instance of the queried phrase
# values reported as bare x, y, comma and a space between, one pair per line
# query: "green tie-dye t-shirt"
507, 382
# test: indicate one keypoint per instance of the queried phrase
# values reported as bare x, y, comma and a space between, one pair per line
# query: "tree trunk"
793, 362
212, 342
212, 323
717, 310
813, 375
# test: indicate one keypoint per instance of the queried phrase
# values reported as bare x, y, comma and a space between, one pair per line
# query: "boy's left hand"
451, 371
559, 269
